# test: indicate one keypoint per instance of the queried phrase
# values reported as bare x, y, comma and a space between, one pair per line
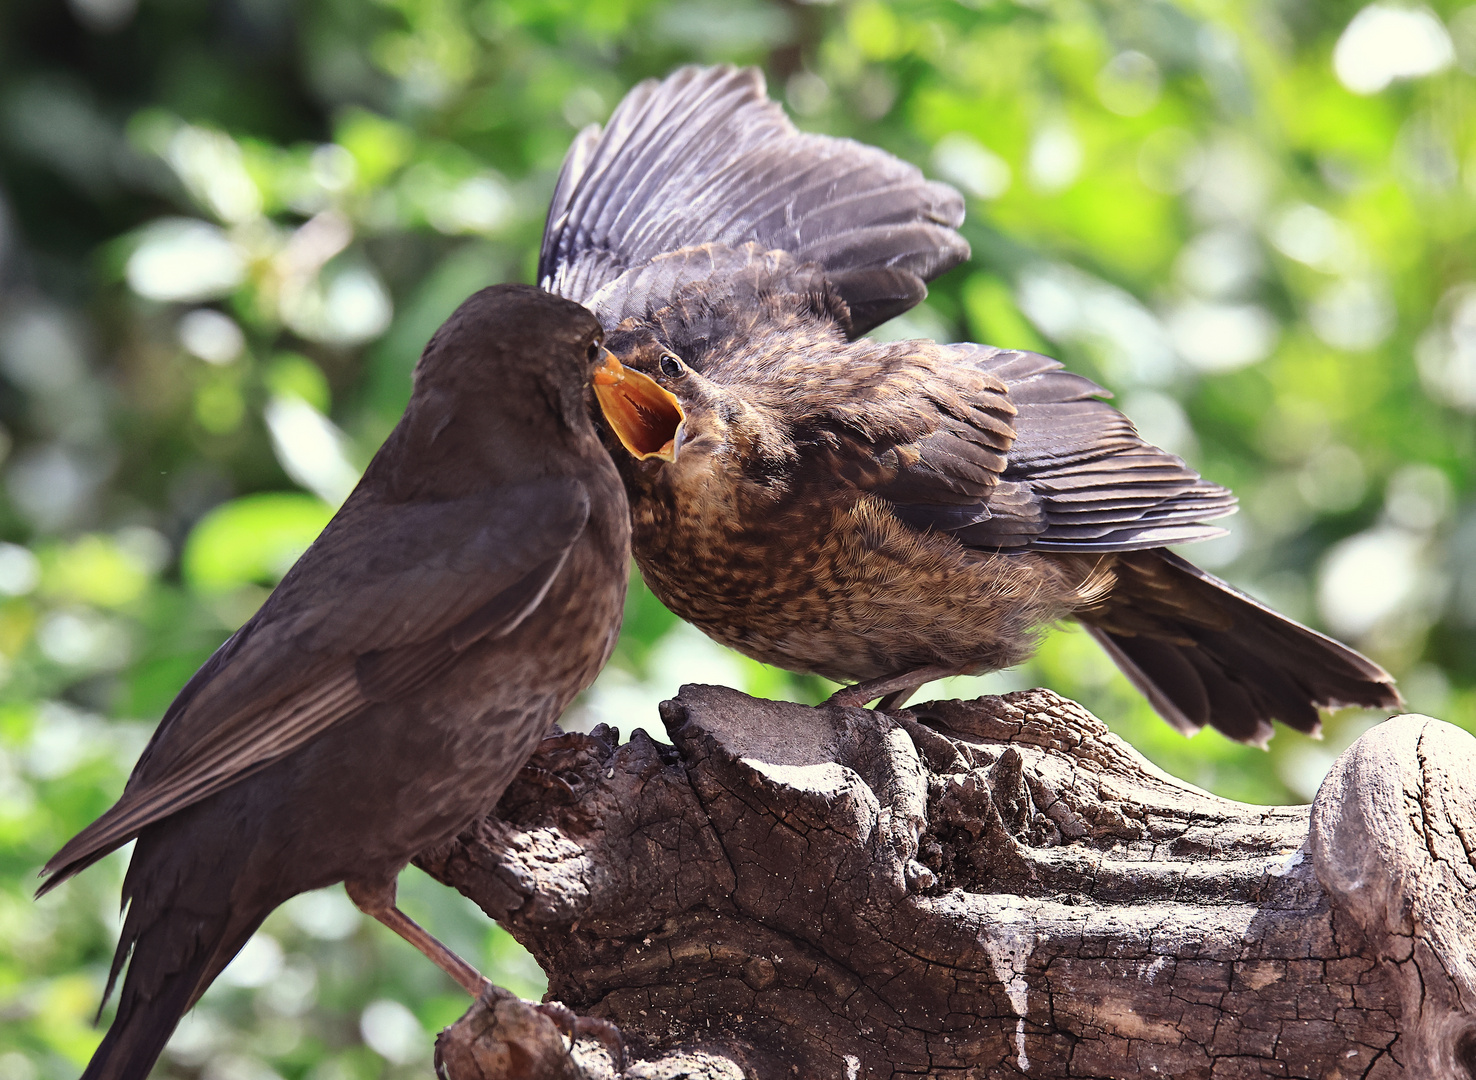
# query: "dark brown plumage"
889, 513
397, 678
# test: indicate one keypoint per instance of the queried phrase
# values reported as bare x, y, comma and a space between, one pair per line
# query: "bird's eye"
671, 367
593, 352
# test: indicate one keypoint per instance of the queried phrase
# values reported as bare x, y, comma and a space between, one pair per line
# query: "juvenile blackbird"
395, 681
888, 513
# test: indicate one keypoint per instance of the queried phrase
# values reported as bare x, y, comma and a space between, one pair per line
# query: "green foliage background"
1184, 201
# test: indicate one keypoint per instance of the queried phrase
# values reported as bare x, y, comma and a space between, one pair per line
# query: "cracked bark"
972, 889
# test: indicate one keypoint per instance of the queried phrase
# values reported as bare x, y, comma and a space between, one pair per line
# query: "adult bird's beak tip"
646, 418
611, 371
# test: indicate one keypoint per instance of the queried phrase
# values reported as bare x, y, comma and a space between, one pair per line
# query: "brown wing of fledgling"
1202, 652
439, 576
704, 157
1003, 449
1079, 477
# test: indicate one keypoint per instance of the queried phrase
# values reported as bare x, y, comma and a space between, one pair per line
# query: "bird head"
681, 427
640, 390
510, 369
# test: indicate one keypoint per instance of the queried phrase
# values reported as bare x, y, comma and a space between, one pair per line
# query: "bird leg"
378, 900
892, 689
896, 699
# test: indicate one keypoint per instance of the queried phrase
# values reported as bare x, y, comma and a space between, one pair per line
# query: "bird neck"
447, 447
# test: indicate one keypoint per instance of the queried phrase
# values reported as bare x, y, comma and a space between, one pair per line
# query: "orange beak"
646, 418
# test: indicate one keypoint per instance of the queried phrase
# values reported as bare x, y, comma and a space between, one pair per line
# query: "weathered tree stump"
972, 889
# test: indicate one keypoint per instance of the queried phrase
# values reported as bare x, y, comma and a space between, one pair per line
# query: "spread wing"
705, 157
1007, 451
386, 597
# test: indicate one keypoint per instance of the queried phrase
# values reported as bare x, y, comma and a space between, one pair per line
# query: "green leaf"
251, 540
294, 375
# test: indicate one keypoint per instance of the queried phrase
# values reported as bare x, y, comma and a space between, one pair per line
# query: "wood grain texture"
978, 889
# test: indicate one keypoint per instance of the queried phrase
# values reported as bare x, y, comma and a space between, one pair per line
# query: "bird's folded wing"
1025, 455
385, 598
1096, 484
920, 431
705, 157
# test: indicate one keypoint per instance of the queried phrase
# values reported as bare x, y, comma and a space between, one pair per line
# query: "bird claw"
549, 780
575, 1027
561, 766
569, 740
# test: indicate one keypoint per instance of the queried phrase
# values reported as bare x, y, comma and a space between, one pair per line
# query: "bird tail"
173, 950
1204, 653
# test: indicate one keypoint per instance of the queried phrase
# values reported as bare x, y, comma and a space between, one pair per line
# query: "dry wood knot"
1393, 840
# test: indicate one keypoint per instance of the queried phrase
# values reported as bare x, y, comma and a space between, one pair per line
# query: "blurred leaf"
378, 145
93, 570
993, 316
251, 540
294, 375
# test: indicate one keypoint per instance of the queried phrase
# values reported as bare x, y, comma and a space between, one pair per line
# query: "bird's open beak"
647, 419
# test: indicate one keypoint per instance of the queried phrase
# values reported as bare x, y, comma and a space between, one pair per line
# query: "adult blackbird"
890, 513
395, 681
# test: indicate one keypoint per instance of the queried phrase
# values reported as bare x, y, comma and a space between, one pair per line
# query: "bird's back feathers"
999, 448
1096, 484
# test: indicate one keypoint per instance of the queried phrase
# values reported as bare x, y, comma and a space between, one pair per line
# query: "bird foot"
576, 1027
555, 768
848, 697
549, 781
569, 740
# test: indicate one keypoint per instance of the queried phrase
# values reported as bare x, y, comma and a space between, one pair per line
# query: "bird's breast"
835, 584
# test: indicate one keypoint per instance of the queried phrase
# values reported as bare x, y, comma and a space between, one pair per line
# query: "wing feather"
347, 627
705, 157
1007, 451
